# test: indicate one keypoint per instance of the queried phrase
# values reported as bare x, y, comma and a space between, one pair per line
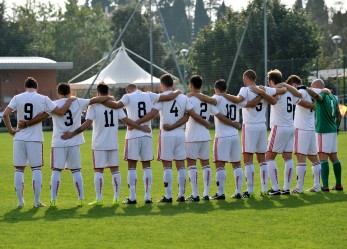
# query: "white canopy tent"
121, 71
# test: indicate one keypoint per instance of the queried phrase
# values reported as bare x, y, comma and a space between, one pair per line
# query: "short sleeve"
154, 97
214, 110
271, 91
243, 92
121, 114
125, 99
83, 103
304, 95
189, 104
13, 103
49, 105
242, 104
158, 106
90, 113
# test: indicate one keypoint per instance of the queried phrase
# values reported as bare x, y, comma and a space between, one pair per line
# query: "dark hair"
196, 81
166, 80
250, 74
294, 79
275, 76
63, 89
30, 82
221, 85
103, 89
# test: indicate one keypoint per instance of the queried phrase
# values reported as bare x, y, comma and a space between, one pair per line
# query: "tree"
222, 10
182, 31
201, 18
298, 6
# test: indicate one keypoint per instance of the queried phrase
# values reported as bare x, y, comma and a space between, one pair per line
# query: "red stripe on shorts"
272, 141
93, 158
52, 158
296, 140
159, 146
243, 138
320, 145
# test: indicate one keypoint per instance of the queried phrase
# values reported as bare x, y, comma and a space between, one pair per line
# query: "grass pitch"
310, 220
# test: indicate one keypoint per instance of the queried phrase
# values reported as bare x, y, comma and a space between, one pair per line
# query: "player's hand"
72, 98
207, 125
21, 124
67, 135
189, 95
129, 128
145, 128
12, 132
261, 87
255, 89
167, 127
177, 92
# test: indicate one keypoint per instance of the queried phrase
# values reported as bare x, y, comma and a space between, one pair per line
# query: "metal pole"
344, 89
265, 43
337, 72
317, 67
114, 46
151, 42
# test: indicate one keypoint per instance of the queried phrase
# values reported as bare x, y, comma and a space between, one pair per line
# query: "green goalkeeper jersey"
326, 114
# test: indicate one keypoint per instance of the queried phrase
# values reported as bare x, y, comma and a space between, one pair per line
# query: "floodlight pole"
265, 44
151, 42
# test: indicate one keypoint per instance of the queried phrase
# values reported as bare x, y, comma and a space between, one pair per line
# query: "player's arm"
100, 100
268, 98
67, 135
148, 116
314, 95
22, 124
254, 102
338, 117
199, 119
136, 126
290, 88
168, 97
235, 99
179, 123
113, 104
203, 98
307, 105
227, 121
6, 117
60, 111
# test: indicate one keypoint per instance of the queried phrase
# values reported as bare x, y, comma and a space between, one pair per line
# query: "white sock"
168, 182
55, 184
116, 183
37, 183
132, 178
207, 179
238, 177
193, 177
300, 173
220, 180
98, 184
19, 185
288, 173
147, 181
78, 182
249, 172
316, 168
264, 176
181, 181
273, 173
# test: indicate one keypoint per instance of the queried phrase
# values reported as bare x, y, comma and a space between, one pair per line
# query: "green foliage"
274, 222
222, 10
201, 19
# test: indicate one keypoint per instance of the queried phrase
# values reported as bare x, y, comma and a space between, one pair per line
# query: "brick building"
15, 70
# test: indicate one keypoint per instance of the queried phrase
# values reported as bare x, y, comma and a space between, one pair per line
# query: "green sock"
337, 172
325, 173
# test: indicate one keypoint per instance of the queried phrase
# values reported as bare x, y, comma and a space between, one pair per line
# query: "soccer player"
173, 115
328, 118
198, 141
305, 144
254, 130
27, 145
281, 138
138, 144
104, 142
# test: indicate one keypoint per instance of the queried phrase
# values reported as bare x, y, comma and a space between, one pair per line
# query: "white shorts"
305, 142
327, 142
281, 139
172, 148
254, 138
26, 151
66, 157
227, 149
105, 158
198, 150
138, 148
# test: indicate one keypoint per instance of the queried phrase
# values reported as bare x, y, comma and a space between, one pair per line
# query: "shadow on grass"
168, 209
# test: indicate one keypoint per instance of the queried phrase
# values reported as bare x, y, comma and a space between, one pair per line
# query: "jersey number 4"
174, 109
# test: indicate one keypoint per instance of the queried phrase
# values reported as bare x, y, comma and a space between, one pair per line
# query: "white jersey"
196, 132
229, 110
256, 114
105, 126
304, 118
69, 122
171, 112
282, 112
137, 105
28, 105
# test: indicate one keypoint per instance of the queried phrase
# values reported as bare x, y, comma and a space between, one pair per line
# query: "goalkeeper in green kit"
328, 118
